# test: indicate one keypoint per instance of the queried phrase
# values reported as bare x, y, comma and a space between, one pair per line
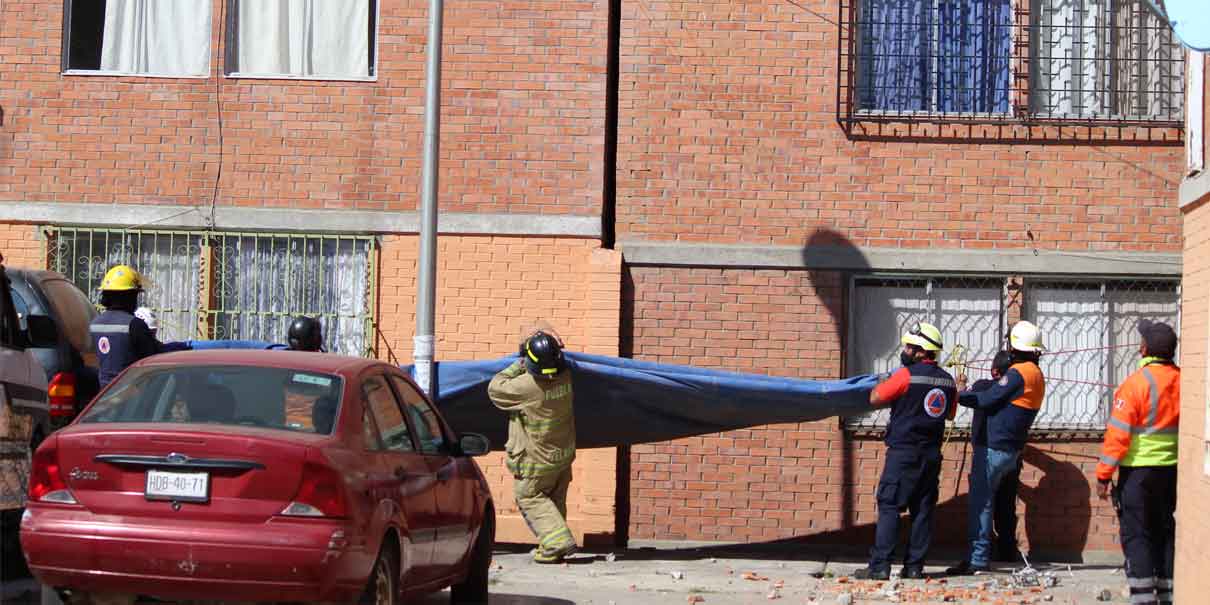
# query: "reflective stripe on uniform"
1141, 582
1137, 430
933, 380
1110, 461
1153, 390
533, 468
556, 538
108, 329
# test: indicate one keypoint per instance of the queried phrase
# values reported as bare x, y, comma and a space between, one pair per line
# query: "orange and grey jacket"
1010, 405
1144, 421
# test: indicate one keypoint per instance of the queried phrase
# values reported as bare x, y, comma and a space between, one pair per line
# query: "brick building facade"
1193, 537
701, 182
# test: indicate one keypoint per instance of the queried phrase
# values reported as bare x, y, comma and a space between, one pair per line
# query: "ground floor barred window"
230, 285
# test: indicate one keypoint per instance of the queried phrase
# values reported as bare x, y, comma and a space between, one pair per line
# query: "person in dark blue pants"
922, 397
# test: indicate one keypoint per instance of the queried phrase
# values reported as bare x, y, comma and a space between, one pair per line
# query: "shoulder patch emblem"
1004, 381
935, 403
103, 345
1119, 404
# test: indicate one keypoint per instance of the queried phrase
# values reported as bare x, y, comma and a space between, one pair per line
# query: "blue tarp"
624, 401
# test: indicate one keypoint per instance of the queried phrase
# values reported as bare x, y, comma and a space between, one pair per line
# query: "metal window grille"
1058, 62
233, 285
968, 311
1088, 326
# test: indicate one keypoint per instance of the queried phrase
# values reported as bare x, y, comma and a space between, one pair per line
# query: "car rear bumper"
283, 559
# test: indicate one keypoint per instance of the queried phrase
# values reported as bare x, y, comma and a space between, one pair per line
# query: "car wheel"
474, 588
382, 587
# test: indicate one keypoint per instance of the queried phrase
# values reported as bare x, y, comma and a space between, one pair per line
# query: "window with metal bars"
232, 285
1009, 61
1088, 326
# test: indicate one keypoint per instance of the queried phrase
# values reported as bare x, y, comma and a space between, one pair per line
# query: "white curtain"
1104, 58
969, 316
1096, 335
160, 37
325, 38
265, 281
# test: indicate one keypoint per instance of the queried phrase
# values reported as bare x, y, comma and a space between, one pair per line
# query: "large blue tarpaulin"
625, 401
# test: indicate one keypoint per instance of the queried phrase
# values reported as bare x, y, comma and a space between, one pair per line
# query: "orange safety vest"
1144, 421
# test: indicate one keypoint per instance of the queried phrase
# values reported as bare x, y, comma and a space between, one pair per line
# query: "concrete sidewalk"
738, 576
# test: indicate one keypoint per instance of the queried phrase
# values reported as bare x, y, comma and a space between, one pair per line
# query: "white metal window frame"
1073, 406
231, 69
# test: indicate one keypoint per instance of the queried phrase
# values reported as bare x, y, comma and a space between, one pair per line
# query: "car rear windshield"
277, 398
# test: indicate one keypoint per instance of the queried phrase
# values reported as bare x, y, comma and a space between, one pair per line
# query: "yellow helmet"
923, 335
121, 278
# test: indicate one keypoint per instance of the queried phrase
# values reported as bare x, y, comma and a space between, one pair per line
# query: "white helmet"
148, 317
1025, 336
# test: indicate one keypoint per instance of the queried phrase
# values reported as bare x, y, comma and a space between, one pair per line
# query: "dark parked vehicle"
264, 476
69, 361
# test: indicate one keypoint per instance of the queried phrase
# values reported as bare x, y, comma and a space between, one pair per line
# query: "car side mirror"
473, 444
40, 331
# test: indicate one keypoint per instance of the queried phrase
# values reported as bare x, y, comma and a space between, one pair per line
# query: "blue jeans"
988, 469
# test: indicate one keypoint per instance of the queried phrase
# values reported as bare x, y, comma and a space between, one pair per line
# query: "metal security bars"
1015, 62
968, 311
1088, 326
234, 285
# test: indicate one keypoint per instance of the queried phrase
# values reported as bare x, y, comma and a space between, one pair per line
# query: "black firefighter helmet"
305, 334
543, 355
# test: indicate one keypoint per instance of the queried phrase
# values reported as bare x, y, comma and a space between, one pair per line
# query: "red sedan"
263, 476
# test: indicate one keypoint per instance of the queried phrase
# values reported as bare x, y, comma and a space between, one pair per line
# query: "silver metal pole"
426, 296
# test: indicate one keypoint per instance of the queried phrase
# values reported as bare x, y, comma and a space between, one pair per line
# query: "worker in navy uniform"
118, 336
922, 397
1005, 511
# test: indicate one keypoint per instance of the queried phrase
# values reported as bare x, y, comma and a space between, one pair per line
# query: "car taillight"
320, 494
46, 482
62, 395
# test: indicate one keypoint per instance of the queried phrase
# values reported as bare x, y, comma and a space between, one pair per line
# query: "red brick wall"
728, 133
523, 115
806, 481
22, 247
1193, 537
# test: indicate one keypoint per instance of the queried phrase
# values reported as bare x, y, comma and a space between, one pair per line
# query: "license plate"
183, 487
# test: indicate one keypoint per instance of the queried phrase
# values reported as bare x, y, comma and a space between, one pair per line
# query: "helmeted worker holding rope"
1010, 407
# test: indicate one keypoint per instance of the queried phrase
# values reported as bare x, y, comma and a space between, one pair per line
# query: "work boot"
965, 568
553, 556
912, 572
869, 573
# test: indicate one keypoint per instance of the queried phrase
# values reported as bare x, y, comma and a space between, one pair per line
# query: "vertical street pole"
426, 283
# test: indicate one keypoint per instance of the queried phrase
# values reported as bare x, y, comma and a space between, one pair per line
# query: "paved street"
649, 576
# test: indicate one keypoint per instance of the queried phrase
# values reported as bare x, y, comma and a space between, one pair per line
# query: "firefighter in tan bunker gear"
536, 392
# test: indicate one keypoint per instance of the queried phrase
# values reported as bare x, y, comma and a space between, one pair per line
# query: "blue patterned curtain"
973, 63
934, 55
894, 54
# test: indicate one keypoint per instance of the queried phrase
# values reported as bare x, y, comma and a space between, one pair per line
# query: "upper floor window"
934, 55
1104, 59
301, 38
1010, 61
138, 37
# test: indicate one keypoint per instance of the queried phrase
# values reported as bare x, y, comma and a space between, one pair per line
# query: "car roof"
328, 363
38, 275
